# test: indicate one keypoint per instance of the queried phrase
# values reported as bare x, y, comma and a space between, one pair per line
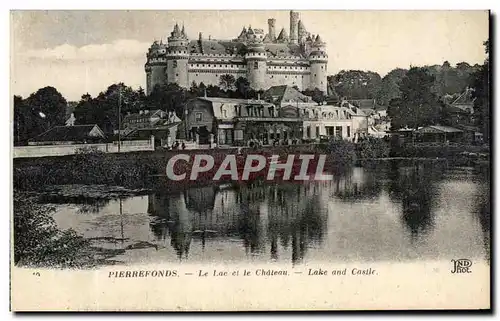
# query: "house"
437, 133
164, 130
66, 135
465, 101
229, 121
143, 119
343, 122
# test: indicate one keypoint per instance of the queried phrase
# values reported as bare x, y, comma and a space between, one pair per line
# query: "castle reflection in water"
268, 217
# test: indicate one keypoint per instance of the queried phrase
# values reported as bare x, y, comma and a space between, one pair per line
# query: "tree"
242, 87
227, 82
316, 94
480, 83
389, 88
103, 110
169, 97
418, 106
50, 104
355, 84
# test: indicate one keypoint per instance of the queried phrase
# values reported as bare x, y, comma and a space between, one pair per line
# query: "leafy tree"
418, 106
317, 95
389, 88
242, 87
103, 110
227, 82
50, 104
480, 83
169, 97
355, 84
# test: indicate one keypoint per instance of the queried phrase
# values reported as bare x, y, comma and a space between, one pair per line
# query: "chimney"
205, 92
258, 96
294, 24
271, 23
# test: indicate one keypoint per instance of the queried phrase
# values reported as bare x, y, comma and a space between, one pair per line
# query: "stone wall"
61, 150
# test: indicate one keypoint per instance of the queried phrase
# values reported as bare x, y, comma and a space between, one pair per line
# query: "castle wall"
209, 72
278, 79
270, 73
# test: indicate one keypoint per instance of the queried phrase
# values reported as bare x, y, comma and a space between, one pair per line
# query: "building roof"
227, 47
364, 103
465, 98
70, 134
144, 115
232, 100
285, 93
439, 129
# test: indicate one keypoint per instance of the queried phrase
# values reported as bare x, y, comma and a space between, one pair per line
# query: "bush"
38, 241
372, 148
342, 151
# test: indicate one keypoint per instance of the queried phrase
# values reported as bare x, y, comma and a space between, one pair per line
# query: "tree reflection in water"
92, 206
415, 188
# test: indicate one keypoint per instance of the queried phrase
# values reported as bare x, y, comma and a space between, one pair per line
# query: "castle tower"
302, 32
318, 59
294, 23
256, 58
155, 66
271, 24
177, 57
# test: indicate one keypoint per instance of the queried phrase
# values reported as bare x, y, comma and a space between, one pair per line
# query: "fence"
70, 149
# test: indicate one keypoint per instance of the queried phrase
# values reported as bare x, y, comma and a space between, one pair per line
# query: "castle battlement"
294, 59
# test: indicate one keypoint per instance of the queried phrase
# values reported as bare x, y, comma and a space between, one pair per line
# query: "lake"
390, 213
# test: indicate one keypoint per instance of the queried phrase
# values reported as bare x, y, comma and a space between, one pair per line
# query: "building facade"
241, 122
264, 59
327, 121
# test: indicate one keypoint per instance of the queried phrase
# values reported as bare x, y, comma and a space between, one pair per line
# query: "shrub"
38, 241
342, 151
372, 148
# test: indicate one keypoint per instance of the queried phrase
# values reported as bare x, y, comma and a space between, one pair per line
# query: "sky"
86, 51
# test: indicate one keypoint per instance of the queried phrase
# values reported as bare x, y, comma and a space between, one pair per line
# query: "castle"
264, 59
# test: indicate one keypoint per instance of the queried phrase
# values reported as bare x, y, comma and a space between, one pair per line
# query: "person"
183, 146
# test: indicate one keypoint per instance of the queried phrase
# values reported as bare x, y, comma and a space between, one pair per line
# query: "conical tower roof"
176, 32
283, 36
318, 39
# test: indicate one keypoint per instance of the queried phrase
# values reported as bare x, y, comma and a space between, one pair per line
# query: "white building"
344, 122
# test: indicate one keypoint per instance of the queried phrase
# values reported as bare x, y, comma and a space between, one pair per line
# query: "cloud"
123, 48
77, 70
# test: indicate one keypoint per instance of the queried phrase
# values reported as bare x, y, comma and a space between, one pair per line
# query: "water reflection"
415, 188
258, 214
386, 213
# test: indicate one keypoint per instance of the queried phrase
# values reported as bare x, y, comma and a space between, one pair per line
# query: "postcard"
250, 160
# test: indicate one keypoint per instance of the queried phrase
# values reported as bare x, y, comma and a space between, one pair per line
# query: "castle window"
198, 116
286, 77
176, 75
314, 75
175, 63
256, 65
196, 75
